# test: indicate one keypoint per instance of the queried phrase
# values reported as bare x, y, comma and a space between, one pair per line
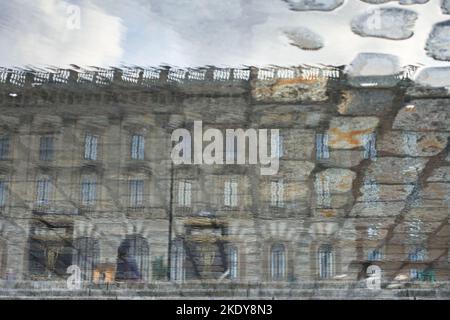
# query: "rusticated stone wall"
364, 170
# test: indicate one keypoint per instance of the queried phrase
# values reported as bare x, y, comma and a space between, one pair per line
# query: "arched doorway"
86, 256
133, 258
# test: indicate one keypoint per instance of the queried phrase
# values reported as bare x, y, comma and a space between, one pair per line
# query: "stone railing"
164, 75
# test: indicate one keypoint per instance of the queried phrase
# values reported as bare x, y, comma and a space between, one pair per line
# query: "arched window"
277, 262
375, 255
326, 261
177, 271
233, 262
86, 256
133, 259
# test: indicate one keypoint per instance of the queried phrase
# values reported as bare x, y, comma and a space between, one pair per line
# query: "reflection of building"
86, 179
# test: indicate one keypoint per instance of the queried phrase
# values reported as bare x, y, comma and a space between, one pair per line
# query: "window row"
134, 260
91, 145
277, 262
137, 147
88, 192
184, 192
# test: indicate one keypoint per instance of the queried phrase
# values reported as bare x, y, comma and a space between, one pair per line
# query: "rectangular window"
136, 193
137, 147
233, 262
414, 274
177, 270
90, 147
230, 150
370, 151
417, 254
46, 148
3, 193
322, 151
88, 192
277, 141
409, 145
374, 255
231, 193
4, 147
184, 193
323, 195
277, 193
43, 191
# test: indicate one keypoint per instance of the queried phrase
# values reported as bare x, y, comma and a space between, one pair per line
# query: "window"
233, 262
277, 193
415, 229
184, 193
373, 232
277, 262
325, 262
4, 147
3, 193
409, 144
137, 147
371, 191
322, 151
3, 260
136, 188
90, 147
370, 151
46, 148
417, 254
88, 191
87, 254
230, 193
133, 259
43, 191
277, 141
323, 195
230, 151
374, 255
414, 274
177, 261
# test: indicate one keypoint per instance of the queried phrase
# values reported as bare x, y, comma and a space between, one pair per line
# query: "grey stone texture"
424, 115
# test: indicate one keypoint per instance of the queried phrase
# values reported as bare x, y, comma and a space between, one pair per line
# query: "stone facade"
87, 179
